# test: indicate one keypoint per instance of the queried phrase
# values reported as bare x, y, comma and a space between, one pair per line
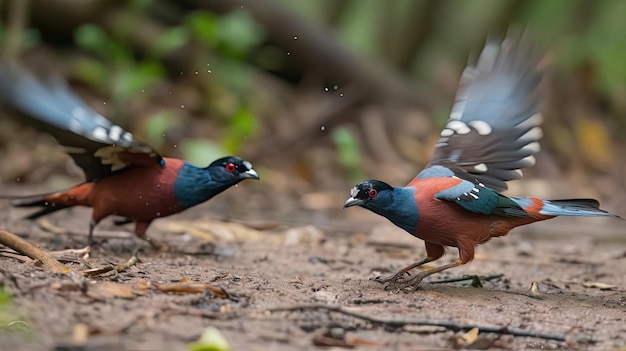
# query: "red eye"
372, 193
231, 167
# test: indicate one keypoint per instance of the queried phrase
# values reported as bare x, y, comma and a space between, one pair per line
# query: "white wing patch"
100, 134
481, 168
115, 132
459, 127
446, 132
109, 156
482, 127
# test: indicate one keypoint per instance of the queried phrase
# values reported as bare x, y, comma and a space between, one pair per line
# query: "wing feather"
494, 126
97, 146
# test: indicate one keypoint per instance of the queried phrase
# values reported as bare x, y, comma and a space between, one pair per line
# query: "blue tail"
569, 207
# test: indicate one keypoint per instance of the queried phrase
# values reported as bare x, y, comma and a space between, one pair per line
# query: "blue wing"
494, 125
96, 145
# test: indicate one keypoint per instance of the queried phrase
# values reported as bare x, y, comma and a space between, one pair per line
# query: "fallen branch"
24, 247
455, 327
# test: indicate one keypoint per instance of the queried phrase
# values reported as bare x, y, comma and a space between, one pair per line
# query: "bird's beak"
352, 202
249, 174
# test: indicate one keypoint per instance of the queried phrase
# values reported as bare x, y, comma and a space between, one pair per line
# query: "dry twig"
24, 247
94, 272
425, 322
192, 288
467, 277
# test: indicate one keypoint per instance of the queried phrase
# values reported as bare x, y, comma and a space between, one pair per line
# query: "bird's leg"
92, 226
383, 279
414, 282
140, 231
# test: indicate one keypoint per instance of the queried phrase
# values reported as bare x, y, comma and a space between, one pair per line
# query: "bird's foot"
398, 277
410, 284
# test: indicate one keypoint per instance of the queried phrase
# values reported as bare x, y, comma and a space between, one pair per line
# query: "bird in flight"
493, 132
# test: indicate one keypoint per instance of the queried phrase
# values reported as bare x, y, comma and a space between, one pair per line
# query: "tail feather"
574, 207
40, 200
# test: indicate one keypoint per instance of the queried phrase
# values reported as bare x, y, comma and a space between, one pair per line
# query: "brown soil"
268, 265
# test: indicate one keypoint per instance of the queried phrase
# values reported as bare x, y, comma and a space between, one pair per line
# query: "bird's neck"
194, 185
402, 209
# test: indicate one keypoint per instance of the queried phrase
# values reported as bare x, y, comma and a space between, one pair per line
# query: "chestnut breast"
444, 222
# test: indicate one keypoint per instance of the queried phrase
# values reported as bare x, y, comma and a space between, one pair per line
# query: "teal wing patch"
479, 199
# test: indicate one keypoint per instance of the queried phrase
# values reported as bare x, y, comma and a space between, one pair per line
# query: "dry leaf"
357, 341
104, 290
598, 285
80, 333
594, 140
324, 341
470, 336
303, 235
191, 288
142, 286
217, 231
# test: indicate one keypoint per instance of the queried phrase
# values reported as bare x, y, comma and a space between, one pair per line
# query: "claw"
382, 279
394, 278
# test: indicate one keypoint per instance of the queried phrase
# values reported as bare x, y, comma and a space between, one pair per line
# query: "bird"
124, 177
493, 132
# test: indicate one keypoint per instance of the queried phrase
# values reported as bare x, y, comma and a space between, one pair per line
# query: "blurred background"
317, 94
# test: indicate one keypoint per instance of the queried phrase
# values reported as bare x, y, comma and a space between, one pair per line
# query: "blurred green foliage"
581, 32
223, 43
9, 317
427, 40
348, 153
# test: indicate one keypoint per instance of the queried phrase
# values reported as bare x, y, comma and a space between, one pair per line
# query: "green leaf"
233, 74
92, 38
240, 126
170, 41
157, 126
349, 155
202, 26
238, 33
5, 296
211, 340
92, 72
136, 78
201, 151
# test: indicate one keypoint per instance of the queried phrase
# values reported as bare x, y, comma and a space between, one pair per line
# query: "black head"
368, 192
231, 169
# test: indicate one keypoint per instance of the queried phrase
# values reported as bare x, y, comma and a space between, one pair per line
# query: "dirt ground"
274, 279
